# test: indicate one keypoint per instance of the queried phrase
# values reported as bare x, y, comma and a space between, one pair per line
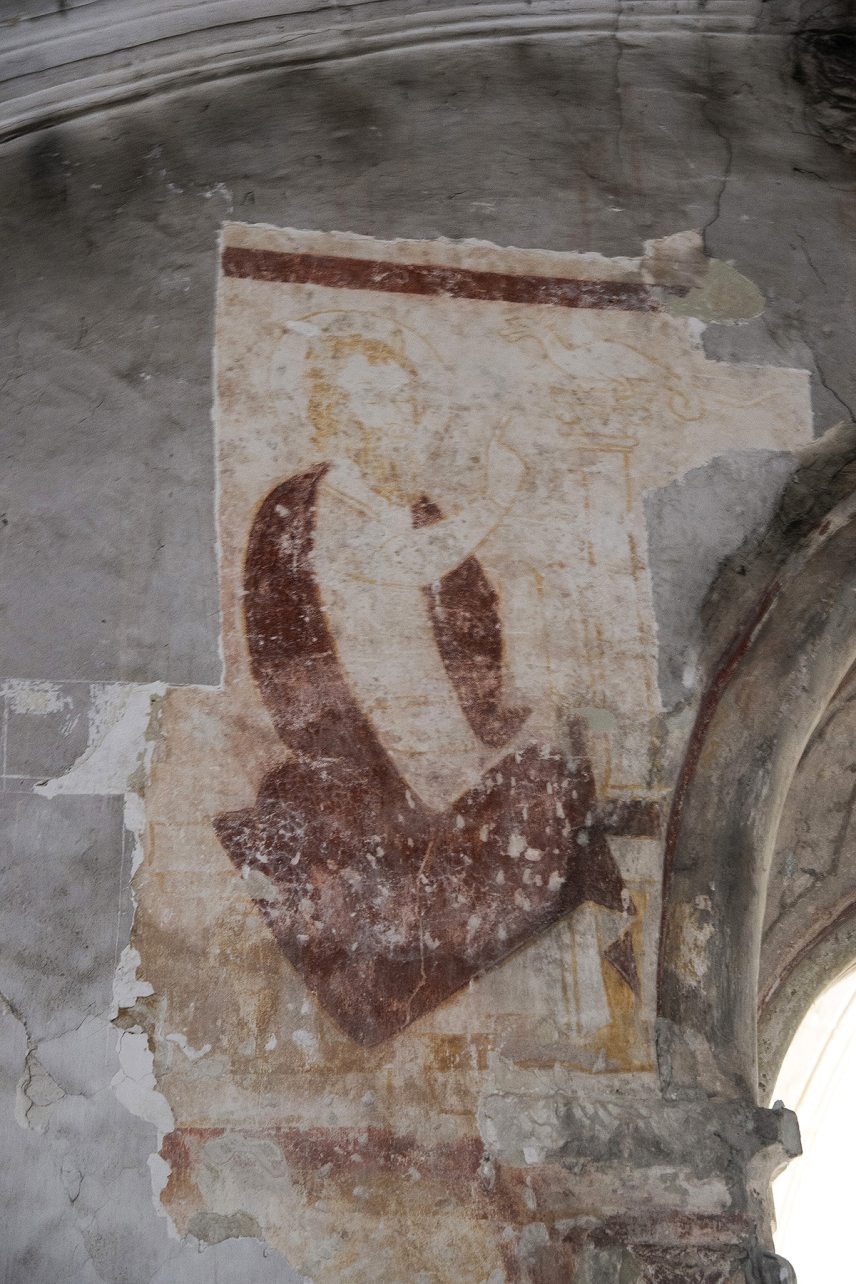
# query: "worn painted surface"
596, 141
403, 869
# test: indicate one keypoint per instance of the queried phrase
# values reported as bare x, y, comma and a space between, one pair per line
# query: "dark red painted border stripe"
455, 283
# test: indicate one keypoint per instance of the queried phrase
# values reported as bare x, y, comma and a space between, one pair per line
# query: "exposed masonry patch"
825, 64
696, 934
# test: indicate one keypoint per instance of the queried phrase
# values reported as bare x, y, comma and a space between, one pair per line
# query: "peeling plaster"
37, 1095
119, 752
135, 1086
119, 741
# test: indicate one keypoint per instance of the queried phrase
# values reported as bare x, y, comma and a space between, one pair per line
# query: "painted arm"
423, 555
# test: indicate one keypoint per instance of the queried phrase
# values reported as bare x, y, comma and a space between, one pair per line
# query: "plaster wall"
110, 228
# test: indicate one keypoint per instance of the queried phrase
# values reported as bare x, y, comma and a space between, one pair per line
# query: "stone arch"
809, 937
768, 694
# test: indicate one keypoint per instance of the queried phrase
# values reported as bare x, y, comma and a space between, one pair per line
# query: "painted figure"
421, 830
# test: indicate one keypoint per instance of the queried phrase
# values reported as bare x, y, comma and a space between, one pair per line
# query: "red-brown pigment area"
385, 907
343, 273
388, 909
620, 955
464, 610
181, 1195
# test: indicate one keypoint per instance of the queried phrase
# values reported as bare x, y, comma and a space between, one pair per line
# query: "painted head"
366, 400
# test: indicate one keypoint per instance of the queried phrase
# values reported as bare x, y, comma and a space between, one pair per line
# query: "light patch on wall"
696, 933
134, 1083
119, 744
35, 698
725, 297
127, 986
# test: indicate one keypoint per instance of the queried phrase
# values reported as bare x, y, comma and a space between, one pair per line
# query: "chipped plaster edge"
123, 736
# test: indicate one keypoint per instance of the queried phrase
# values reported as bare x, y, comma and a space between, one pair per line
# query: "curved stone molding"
770, 690
810, 921
59, 65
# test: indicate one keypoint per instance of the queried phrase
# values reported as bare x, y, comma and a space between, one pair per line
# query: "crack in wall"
728, 149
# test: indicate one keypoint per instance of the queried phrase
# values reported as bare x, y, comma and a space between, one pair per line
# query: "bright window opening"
814, 1195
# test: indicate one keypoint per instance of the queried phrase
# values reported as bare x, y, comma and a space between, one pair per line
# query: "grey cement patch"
693, 525
75, 1189
64, 904
77, 1203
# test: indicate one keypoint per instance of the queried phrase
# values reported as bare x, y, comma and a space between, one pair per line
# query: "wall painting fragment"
409, 855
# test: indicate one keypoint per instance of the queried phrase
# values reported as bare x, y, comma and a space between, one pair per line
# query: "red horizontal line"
456, 283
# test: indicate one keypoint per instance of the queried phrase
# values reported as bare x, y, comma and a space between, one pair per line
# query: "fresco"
409, 854
427, 821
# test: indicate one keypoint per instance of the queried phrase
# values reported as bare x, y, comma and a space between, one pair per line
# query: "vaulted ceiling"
60, 59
